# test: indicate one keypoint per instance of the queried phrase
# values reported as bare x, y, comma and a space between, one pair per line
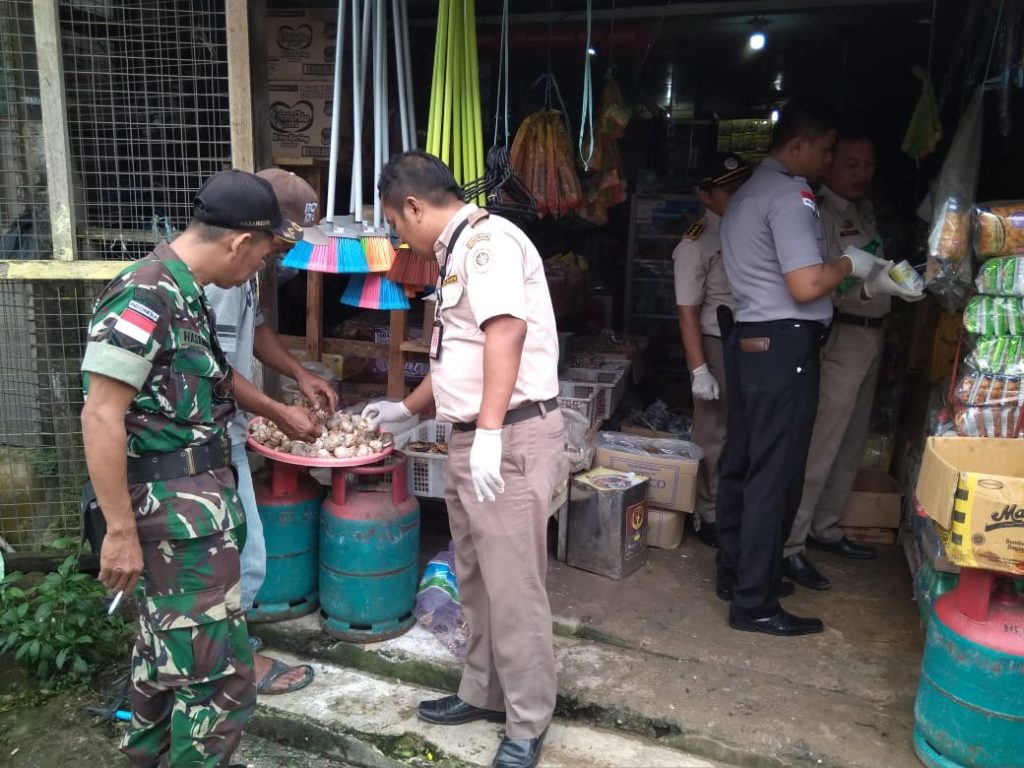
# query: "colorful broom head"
380, 254
315, 258
351, 258
409, 270
374, 291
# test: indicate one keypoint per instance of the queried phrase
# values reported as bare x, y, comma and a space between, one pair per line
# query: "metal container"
369, 552
289, 506
906, 276
608, 522
970, 701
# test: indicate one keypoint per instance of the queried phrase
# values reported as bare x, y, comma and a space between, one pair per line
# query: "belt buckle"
190, 462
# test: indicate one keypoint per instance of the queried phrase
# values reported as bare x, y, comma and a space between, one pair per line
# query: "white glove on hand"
863, 262
386, 412
881, 284
485, 464
705, 387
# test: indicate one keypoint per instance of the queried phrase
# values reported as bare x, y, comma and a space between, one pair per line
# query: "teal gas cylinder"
369, 552
970, 700
289, 504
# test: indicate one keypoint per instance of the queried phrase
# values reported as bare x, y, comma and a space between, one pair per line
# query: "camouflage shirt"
151, 329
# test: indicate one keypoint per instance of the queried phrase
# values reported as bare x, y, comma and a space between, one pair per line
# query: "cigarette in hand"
115, 602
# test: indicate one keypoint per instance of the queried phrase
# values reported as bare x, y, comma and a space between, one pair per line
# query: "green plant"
59, 629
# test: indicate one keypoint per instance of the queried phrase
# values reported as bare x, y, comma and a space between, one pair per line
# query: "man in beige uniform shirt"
494, 376
849, 367
701, 288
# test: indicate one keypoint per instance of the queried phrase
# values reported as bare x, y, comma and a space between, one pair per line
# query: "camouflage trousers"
193, 684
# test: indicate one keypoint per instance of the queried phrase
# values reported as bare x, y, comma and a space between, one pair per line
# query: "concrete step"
370, 722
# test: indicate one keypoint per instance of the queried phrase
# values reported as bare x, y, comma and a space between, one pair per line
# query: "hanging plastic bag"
925, 128
948, 276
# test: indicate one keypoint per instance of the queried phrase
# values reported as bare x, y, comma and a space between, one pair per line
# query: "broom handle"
355, 192
437, 83
396, 22
407, 66
378, 118
332, 174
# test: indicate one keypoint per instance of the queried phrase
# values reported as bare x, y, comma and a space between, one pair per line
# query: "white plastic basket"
427, 472
582, 405
606, 386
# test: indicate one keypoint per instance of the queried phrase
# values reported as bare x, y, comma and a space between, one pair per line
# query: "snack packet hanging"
995, 315
999, 229
997, 354
1001, 277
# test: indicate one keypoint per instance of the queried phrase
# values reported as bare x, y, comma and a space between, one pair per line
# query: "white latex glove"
705, 387
386, 412
485, 464
880, 284
863, 262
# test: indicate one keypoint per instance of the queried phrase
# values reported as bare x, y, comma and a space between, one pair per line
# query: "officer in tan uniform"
849, 366
494, 376
701, 288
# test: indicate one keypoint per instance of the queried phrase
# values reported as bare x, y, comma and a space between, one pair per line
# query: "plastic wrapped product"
989, 389
988, 421
995, 316
1001, 277
999, 229
997, 354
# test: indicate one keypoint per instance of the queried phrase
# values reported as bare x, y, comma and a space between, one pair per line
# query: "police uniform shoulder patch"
695, 231
480, 261
475, 240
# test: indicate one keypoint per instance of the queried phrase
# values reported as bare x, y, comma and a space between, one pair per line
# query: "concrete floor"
652, 657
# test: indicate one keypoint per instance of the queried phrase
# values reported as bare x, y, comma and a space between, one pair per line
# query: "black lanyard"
444, 271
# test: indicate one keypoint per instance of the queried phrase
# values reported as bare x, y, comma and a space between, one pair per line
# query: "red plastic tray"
305, 461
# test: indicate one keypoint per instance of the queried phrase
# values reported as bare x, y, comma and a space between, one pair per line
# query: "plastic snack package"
1001, 276
999, 229
997, 354
995, 316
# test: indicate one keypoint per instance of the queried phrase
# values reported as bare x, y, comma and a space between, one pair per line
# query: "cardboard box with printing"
300, 43
300, 119
671, 466
973, 487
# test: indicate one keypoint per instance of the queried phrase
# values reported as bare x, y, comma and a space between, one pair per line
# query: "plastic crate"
583, 384
583, 405
427, 473
613, 372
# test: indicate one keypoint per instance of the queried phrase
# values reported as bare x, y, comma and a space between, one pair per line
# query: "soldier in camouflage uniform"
158, 402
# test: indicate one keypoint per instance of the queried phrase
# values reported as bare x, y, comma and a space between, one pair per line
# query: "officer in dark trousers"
774, 258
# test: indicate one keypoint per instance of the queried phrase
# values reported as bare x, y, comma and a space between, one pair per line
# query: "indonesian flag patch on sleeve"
137, 322
807, 198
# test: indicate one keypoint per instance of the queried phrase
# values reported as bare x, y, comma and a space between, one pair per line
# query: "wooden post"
396, 357
55, 128
314, 314
240, 85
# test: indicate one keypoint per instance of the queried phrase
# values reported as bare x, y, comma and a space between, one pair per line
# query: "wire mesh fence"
24, 214
42, 467
148, 116
147, 120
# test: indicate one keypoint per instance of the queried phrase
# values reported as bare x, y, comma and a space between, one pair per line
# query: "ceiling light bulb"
775, 116
757, 40
591, 51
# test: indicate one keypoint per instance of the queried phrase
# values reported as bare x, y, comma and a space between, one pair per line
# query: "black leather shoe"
784, 589
798, 568
519, 753
845, 548
707, 534
451, 710
779, 623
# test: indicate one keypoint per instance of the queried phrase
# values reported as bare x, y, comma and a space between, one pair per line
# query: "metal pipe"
396, 24
407, 64
332, 171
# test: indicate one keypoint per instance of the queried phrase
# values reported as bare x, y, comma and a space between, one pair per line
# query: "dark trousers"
772, 370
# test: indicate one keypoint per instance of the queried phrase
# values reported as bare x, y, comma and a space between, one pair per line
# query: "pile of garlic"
342, 436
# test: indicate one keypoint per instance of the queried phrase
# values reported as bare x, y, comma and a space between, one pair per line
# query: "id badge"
435, 341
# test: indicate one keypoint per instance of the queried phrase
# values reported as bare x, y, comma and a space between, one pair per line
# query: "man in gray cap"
243, 335
774, 258
701, 288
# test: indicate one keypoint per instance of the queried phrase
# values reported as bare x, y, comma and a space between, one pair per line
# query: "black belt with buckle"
522, 413
193, 460
863, 322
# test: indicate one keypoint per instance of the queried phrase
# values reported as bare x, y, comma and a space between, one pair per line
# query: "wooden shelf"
414, 347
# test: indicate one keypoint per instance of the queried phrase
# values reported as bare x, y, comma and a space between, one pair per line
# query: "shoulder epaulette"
695, 231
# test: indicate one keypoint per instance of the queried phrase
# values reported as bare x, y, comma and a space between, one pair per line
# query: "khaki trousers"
501, 563
709, 419
849, 372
